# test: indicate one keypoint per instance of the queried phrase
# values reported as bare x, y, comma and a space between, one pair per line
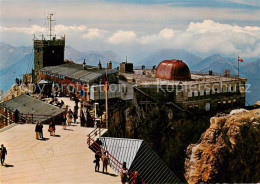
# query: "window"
205, 92
192, 93
38, 63
84, 93
231, 89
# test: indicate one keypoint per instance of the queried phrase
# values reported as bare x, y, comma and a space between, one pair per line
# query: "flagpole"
238, 65
106, 99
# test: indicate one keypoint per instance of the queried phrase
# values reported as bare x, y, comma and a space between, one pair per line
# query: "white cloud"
203, 38
122, 37
166, 33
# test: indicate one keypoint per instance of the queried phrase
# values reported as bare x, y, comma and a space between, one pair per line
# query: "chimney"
84, 64
99, 65
109, 65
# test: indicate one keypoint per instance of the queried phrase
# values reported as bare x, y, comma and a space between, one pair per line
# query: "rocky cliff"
228, 151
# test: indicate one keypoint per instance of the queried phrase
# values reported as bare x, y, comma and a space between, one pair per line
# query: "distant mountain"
10, 54
92, 57
20, 61
249, 70
16, 70
217, 63
163, 54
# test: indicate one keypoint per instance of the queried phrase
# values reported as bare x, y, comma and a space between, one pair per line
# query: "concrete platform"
65, 158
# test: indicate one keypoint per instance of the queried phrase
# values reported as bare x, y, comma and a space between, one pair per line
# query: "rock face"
228, 151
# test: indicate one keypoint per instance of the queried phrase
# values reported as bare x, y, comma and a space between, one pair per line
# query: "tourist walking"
3, 153
69, 117
97, 161
105, 161
40, 130
136, 178
51, 129
37, 130
124, 174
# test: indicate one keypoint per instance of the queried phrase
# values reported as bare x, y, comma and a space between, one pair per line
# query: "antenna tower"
49, 18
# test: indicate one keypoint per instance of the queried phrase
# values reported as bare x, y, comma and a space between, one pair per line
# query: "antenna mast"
49, 17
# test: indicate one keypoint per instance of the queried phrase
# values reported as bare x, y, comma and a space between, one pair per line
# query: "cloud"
122, 37
203, 38
94, 33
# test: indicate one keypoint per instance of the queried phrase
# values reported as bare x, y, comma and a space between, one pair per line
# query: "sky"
138, 28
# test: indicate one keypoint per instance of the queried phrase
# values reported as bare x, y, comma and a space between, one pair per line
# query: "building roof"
76, 71
26, 104
173, 70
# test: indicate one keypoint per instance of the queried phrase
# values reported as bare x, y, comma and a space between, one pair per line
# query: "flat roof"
150, 79
76, 71
26, 104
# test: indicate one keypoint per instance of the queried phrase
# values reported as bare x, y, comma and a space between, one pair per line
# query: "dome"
173, 70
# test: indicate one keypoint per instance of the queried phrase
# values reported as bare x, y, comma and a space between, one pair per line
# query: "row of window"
204, 92
62, 77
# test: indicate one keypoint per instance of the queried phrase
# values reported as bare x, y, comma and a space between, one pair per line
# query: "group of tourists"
39, 130
69, 116
105, 160
125, 176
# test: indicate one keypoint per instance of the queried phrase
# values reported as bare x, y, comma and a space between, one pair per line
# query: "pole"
106, 100
238, 66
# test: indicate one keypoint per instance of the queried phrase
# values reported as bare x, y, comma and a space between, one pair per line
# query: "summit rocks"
228, 151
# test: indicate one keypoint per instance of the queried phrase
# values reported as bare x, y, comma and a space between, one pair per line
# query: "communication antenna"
50, 20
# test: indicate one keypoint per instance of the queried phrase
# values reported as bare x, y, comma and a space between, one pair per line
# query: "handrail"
117, 165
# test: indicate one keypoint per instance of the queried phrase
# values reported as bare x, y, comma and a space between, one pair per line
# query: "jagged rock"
228, 151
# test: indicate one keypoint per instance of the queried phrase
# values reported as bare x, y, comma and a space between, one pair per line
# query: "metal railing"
113, 162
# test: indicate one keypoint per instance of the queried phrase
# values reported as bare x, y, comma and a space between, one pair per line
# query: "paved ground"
62, 159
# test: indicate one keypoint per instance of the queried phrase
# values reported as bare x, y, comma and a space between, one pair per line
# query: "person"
51, 128
40, 130
37, 130
54, 128
124, 174
69, 117
16, 116
97, 157
3, 153
136, 178
75, 114
104, 159
64, 120
61, 103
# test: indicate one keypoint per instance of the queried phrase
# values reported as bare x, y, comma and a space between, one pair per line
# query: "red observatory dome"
173, 70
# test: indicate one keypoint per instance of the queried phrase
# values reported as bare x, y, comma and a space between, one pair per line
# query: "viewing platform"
64, 158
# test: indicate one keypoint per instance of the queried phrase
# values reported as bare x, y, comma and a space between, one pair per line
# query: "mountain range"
15, 61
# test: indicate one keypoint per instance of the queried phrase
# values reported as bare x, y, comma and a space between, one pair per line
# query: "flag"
240, 59
106, 84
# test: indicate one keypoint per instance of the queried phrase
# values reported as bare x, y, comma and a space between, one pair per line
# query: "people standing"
37, 130
136, 178
124, 174
104, 159
75, 114
69, 117
64, 119
40, 130
3, 153
51, 128
97, 161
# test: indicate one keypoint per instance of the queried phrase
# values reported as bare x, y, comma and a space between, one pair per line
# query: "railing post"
88, 139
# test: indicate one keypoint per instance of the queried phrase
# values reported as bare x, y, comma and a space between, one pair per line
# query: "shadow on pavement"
8, 165
55, 135
44, 139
